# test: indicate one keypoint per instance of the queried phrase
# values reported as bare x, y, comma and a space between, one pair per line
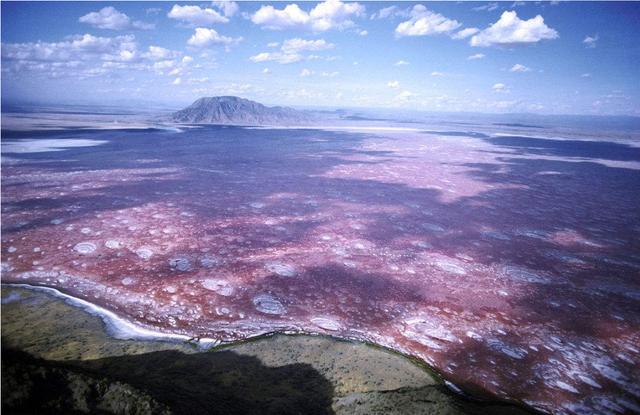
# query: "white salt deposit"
112, 244
42, 145
522, 274
281, 269
116, 326
144, 253
84, 248
450, 266
326, 323
218, 286
268, 304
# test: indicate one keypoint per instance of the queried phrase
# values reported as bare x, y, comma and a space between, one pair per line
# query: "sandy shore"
49, 344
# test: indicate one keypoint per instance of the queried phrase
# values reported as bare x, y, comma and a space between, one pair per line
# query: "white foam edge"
116, 326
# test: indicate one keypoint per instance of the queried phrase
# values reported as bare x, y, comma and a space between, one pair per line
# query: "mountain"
239, 111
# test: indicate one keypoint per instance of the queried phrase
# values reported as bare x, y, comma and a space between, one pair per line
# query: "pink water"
511, 265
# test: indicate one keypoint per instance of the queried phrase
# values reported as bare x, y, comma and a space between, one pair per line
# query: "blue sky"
543, 57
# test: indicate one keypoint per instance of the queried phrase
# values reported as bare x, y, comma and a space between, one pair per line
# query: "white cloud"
266, 70
465, 33
291, 49
519, 68
177, 81
591, 41
331, 14
203, 37
157, 53
499, 87
110, 18
436, 73
391, 11
401, 63
363, 32
393, 84
511, 30
586, 75
273, 44
424, 22
79, 47
330, 74
306, 72
228, 8
297, 45
476, 56
279, 57
403, 98
195, 15
488, 7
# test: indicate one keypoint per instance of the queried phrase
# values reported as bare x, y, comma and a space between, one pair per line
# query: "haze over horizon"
537, 57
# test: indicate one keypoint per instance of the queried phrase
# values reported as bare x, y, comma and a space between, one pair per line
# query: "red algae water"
509, 262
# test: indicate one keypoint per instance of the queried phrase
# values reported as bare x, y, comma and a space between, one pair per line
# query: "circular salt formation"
283, 270
112, 244
522, 274
326, 323
144, 253
268, 304
218, 286
84, 248
180, 264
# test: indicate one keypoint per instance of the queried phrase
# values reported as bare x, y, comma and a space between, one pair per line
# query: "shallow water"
510, 263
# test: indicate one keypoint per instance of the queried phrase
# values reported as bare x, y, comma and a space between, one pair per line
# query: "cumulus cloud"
298, 45
110, 18
291, 51
591, 41
465, 33
487, 7
306, 72
84, 56
519, 68
403, 97
424, 22
331, 14
500, 87
436, 73
476, 56
391, 11
510, 30
363, 32
401, 63
157, 53
195, 15
279, 57
79, 47
228, 8
204, 37
393, 84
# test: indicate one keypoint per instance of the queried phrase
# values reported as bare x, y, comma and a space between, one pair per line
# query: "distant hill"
239, 111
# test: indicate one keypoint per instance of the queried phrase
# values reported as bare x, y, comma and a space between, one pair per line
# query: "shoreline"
118, 328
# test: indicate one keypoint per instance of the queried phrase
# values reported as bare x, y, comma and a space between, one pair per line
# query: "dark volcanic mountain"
239, 111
